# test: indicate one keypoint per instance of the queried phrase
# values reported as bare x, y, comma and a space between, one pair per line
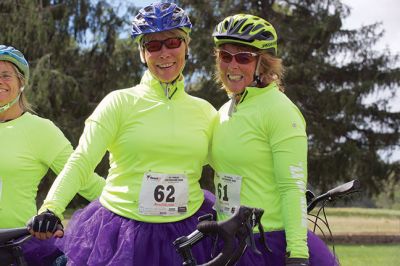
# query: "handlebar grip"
13, 233
208, 227
343, 189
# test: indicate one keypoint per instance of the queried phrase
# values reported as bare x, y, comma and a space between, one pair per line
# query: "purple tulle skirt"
319, 253
96, 236
40, 252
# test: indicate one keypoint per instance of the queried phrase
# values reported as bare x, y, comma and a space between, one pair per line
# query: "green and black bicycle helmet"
248, 30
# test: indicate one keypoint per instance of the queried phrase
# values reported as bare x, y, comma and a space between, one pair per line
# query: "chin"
236, 91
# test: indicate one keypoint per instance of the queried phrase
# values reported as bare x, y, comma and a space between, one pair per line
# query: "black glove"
296, 262
45, 222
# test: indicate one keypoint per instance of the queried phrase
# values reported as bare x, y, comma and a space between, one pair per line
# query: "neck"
14, 112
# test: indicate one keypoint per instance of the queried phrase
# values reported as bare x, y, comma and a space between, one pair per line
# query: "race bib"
227, 187
163, 194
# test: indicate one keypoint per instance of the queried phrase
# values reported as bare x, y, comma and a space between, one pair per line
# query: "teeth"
165, 65
235, 77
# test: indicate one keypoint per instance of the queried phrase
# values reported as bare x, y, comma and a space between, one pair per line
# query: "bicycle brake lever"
262, 237
249, 225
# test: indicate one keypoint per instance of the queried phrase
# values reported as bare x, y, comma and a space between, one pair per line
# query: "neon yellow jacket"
265, 143
143, 130
30, 145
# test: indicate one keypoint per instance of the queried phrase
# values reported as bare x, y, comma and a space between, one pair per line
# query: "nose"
233, 64
164, 52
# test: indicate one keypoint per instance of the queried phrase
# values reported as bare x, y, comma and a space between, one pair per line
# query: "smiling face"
167, 63
235, 77
9, 87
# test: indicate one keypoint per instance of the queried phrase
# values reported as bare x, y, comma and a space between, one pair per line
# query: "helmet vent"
257, 27
226, 25
267, 36
247, 28
165, 6
148, 9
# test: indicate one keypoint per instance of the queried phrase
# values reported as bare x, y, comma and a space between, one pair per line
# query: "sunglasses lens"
153, 46
241, 58
173, 43
244, 58
225, 56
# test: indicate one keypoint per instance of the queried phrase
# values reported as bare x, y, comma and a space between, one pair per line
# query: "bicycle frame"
184, 244
239, 226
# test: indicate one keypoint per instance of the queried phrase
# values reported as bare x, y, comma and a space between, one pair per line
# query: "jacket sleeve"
77, 175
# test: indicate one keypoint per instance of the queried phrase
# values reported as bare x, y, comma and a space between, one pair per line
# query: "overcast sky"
364, 12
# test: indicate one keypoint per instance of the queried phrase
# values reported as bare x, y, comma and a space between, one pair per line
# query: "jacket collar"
167, 90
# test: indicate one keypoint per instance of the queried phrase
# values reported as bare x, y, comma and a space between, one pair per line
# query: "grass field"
369, 255
363, 221
372, 224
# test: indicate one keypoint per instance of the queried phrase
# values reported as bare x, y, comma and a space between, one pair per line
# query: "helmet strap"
8, 105
257, 77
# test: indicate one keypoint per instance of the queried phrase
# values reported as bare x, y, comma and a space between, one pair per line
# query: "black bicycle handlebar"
8, 236
11, 239
339, 191
238, 227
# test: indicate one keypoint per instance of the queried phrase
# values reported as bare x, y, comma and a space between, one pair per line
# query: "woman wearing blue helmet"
30, 146
158, 138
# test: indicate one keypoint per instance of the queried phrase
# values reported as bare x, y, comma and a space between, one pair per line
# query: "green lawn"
369, 255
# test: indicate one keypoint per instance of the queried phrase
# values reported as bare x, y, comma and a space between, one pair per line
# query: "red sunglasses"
241, 57
156, 45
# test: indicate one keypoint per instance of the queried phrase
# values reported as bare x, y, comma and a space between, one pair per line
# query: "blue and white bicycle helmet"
10, 54
159, 17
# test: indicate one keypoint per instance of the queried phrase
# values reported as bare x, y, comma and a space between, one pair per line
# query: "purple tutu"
96, 236
40, 252
319, 253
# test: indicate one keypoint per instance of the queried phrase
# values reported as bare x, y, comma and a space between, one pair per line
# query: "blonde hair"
271, 69
23, 101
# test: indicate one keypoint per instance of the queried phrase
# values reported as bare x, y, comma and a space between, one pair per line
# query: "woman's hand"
45, 225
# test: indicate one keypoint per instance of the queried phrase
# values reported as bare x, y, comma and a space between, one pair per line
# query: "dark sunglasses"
241, 57
156, 45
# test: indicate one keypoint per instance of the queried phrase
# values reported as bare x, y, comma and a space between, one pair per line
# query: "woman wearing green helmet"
259, 148
30, 146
